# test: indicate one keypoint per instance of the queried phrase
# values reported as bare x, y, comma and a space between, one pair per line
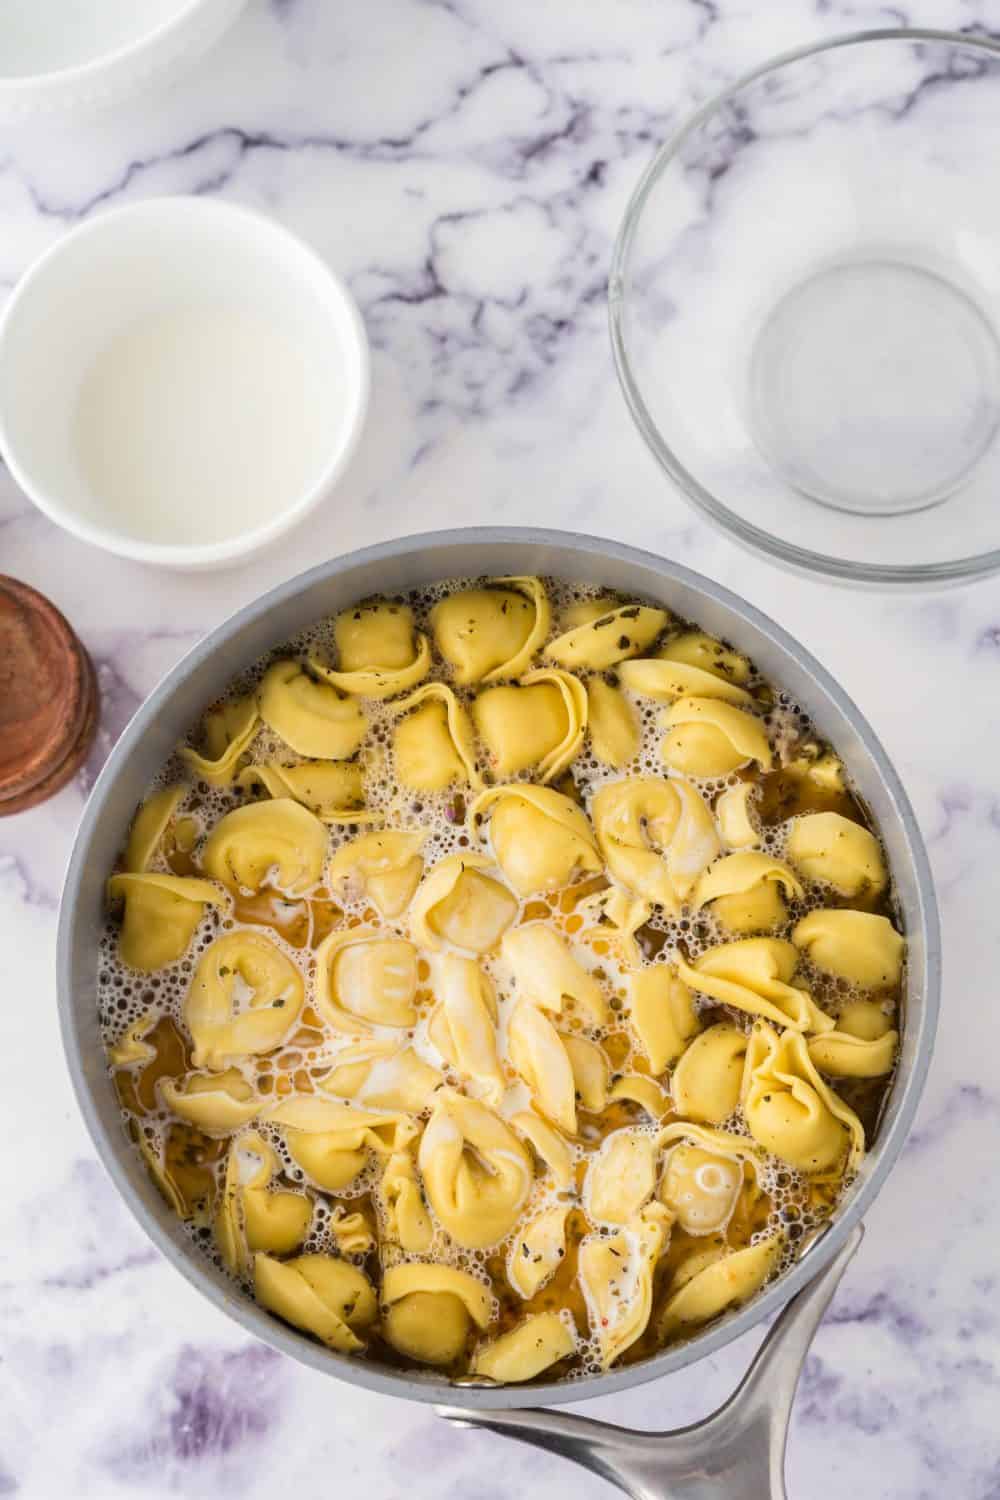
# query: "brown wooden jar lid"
48, 698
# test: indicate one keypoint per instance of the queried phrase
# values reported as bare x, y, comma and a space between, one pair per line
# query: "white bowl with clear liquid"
61, 57
805, 308
181, 381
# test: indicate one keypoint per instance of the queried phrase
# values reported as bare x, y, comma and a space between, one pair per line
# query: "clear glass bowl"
805, 308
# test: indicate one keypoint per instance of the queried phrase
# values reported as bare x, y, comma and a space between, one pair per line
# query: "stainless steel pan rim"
588, 555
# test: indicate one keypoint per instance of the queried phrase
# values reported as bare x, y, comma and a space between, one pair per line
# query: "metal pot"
391, 567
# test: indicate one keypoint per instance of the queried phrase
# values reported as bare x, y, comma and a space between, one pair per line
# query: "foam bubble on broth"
789, 1201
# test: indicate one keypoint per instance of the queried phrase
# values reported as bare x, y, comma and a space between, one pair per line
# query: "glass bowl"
805, 305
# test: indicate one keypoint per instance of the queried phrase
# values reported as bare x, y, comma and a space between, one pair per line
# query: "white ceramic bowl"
58, 56
195, 260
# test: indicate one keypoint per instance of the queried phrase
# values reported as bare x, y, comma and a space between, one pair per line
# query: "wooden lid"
48, 698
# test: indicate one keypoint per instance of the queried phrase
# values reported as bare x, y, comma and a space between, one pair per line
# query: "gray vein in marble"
210, 1407
965, 1103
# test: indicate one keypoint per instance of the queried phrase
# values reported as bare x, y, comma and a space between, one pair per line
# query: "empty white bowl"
180, 381
61, 55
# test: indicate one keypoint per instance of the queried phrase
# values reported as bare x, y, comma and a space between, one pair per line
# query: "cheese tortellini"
433, 744
549, 1145
227, 733
613, 726
148, 828
536, 1050
488, 634
533, 1346
529, 967
162, 914
458, 903
616, 1275
541, 839
608, 639
383, 1074
537, 1250
708, 737
428, 1310
702, 1175
858, 946
697, 649
667, 679
463, 1027
831, 849
754, 976
217, 1103
546, 971
537, 723
790, 1111
404, 1220
621, 1177
308, 713
734, 813
384, 868
333, 790
280, 841
328, 1298
250, 1218
379, 652
365, 979
656, 837
706, 1082
333, 1142
662, 1012
249, 966
475, 1171
719, 1282
748, 892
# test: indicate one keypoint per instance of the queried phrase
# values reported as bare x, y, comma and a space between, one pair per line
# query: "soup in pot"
502, 979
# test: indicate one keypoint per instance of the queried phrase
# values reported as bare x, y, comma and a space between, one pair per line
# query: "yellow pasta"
383, 867
432, 743
790, 1111
333, 790
707, 737
459, 903
162, 913
656, 837
533, 1346
608, 639
859, 946
278, 840
429, 1309
475, 1170
490, 986
328, 1298
379, 653
227, 734
487, 634
307, 712
540, 838
539, 723
662, 1012
748, 892
614, 728
831, 849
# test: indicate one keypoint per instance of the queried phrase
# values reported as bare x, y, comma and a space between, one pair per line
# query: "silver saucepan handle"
737, 1453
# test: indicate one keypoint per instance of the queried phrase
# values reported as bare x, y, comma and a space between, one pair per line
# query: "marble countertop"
464, 165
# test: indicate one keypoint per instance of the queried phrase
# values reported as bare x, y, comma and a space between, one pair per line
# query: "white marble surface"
464, 165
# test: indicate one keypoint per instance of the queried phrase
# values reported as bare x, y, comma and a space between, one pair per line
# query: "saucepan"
741, 1447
